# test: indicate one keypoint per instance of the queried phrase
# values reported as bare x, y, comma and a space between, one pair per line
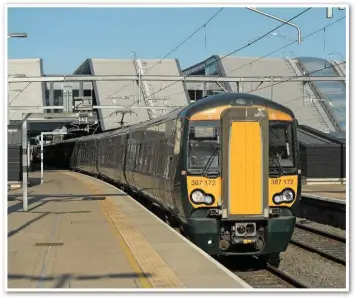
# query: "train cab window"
202, 146
281, 143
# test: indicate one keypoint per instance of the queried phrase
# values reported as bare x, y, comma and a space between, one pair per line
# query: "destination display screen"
203, 132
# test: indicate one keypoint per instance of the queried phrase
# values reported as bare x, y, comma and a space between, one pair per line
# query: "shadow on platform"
66, 198
63, 280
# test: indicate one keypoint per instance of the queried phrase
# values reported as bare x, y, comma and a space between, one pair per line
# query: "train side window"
138, 157
145, 157
161, 159
156, 157
123, 153
151, 157
167, 168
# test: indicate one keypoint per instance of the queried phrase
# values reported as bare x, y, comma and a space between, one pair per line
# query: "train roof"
187, 111
230, 99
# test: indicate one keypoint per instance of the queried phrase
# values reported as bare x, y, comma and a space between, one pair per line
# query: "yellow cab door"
244, 162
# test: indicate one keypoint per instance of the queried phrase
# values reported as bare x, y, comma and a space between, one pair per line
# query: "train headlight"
208, 200
287, 196
199, 197
277, 199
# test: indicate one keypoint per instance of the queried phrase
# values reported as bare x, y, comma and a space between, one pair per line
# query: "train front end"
242, 178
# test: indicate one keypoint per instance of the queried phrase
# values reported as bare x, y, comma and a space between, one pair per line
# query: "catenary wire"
281, 48
174, 49
239, 49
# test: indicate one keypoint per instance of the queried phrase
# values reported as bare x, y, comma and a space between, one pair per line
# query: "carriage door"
245, 164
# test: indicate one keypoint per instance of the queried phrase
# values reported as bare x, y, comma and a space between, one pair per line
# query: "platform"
327, 191
80, 232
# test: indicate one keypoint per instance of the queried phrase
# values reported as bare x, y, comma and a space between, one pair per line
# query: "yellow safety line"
137, 248
130, 257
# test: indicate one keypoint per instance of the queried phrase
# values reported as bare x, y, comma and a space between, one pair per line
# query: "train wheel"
272, 259
172, 223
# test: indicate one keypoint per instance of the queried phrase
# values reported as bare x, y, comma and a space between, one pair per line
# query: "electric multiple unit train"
225, 170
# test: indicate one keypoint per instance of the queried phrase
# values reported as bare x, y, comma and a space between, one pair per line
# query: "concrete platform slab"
332, 191
83, 233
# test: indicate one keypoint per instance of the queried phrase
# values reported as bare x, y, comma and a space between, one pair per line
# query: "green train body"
225, 170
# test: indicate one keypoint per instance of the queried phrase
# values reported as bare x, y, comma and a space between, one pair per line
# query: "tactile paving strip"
157, 272
160, 274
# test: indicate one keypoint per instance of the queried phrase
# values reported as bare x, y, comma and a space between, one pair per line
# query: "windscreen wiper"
278, 165
209, 162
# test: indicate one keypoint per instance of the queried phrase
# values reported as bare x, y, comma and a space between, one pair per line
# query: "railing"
325, 120
322, 103
143, 87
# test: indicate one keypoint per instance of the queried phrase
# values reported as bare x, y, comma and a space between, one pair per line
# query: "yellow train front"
241, 175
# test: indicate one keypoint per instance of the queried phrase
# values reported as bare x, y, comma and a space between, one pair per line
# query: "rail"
329, 246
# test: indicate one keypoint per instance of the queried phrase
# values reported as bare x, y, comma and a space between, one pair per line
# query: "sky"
65, 37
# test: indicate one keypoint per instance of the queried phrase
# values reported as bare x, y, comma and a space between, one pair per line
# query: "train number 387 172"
282, 181
203, 182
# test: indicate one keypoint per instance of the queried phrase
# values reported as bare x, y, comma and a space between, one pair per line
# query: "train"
225, 170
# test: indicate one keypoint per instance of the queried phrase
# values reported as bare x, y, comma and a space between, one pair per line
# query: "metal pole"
24, 164
41, 157
279, 19
28, 155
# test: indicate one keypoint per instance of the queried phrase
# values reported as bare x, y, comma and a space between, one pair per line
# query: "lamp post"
17, 35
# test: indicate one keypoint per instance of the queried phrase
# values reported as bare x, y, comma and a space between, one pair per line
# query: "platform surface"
80, 232
331, 191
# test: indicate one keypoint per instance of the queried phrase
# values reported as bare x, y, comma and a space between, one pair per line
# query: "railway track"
261, 275
270, 277
329, 246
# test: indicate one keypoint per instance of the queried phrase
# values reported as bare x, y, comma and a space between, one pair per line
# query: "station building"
25, 95
318, 104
